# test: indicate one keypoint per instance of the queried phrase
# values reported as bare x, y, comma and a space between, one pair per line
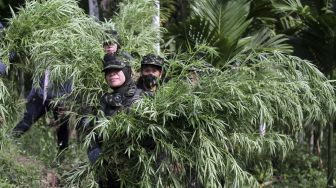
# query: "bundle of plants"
217, 130
59, 36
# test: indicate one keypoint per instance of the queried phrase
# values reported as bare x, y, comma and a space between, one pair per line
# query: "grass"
33, 159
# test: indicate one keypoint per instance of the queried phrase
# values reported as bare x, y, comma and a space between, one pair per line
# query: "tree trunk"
93, 8
156, 24
330, 175
317, 147
311, 142
183, 9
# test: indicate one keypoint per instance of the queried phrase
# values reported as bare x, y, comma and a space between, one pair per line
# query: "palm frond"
214, 23
264, 40
320, 41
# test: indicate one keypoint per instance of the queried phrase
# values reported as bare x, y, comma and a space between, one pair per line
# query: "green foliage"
134, 25
81, 175
264, 40
312, 23
304, 80
29, 160
228, 18
26, 162
301, 169
11, 107
226, 26
217, 23
3, 94
167, 10
262, 14
212, 127
17, 169
1, 4
57, 34
209, 127
322, 41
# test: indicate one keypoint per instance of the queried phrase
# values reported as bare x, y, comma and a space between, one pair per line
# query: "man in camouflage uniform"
151, 74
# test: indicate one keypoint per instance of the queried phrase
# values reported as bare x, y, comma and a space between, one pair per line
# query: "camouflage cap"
113, 62
152, 59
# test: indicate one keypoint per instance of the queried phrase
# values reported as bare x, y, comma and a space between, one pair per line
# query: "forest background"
226, 30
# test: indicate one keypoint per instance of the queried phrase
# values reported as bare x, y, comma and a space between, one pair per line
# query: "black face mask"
149, 81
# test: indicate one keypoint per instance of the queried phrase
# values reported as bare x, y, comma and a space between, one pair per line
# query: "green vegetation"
257, 118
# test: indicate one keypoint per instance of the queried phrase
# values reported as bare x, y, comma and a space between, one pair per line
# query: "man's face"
115, 78
151, 70
110, 48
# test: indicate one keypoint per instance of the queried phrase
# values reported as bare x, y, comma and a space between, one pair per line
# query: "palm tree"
224, 25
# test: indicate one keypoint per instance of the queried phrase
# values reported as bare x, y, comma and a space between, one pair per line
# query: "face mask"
149, 81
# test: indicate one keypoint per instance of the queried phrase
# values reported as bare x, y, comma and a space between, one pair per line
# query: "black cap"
113, 62
152, 59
